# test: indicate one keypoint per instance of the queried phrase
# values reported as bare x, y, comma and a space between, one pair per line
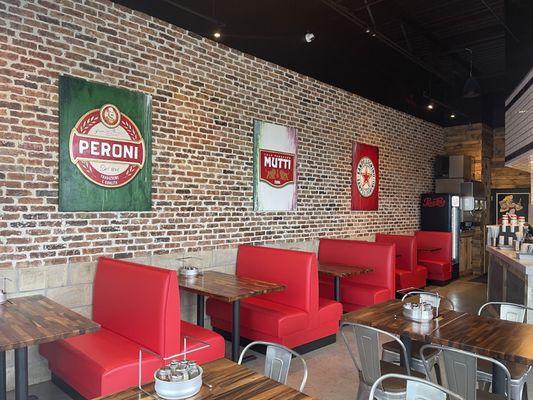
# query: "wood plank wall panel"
503, 177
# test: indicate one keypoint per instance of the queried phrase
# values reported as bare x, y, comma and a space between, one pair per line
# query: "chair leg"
363, 391
438, 374
484, 385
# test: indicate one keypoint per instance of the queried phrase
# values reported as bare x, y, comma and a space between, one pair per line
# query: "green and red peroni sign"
105, 148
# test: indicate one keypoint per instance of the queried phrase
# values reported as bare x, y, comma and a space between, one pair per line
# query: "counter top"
509, 256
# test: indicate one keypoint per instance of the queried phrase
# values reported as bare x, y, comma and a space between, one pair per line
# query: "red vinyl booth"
137, 306
408, 273
439, 262
361, 290
293, 317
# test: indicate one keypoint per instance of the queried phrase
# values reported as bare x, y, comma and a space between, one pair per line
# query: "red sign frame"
365, 177
277, 168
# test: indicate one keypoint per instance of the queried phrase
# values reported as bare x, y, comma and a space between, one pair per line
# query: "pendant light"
472, 88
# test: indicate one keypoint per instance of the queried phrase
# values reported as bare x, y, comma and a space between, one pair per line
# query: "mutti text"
280, 162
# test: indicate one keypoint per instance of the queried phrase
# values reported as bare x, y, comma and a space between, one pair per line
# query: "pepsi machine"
442, 212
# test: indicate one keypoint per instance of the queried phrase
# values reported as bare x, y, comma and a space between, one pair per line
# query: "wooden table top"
34, 320
230, 381
227, 287
491, 337
388, 316
342, 270
429, 249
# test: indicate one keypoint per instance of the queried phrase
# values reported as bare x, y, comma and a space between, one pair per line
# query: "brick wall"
205, 96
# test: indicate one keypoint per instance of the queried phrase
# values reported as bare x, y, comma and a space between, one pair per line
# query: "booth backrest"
379, 256
429, 239
138, 302
406, 256
297, 270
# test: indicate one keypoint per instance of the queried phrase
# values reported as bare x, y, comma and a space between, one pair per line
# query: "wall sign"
509, 201
365, 177
275, 162
105, 147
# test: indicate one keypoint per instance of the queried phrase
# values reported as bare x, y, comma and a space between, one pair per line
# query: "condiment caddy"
178, 380
420, 312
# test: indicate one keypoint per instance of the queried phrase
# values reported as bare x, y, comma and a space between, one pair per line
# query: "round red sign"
107, 147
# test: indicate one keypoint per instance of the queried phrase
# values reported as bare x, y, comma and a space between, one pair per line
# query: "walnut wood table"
341, 271
429, 249
228, 288
33, 320
491, 337
388, 317
228, 380
503, 340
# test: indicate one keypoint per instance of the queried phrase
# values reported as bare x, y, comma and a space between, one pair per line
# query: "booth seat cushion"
411, 279
216, 347
437, 269
328, 310
98, 363
356, 293
262, 315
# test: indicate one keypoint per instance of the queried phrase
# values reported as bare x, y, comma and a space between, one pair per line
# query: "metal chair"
371, 368
391, 351
417, 389
519, 372
460, 369
277, 361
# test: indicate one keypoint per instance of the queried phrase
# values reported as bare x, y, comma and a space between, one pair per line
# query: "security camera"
309, 37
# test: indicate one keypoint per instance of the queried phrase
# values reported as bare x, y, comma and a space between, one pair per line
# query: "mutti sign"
277, 169
107, 147
434, 202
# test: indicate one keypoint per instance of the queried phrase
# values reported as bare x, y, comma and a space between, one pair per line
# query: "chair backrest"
508, 311
369, 349
441, 240
416, 388
277, 361
297, 270
138, 302
406, 256
461, 369
381, 257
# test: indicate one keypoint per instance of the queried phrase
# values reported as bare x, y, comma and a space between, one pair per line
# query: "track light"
430, 106
309, 37
370, 32
217, 34
452, 115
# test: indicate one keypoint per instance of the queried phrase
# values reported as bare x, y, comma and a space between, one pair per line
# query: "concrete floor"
332, 375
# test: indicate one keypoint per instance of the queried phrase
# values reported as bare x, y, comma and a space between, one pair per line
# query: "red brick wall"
205, 96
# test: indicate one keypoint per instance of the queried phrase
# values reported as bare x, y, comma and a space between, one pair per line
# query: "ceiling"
402, 53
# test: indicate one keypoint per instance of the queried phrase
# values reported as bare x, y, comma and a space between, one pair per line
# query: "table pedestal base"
21, 375
200, 310
236, 331
337, 288
407, 342
498, 380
